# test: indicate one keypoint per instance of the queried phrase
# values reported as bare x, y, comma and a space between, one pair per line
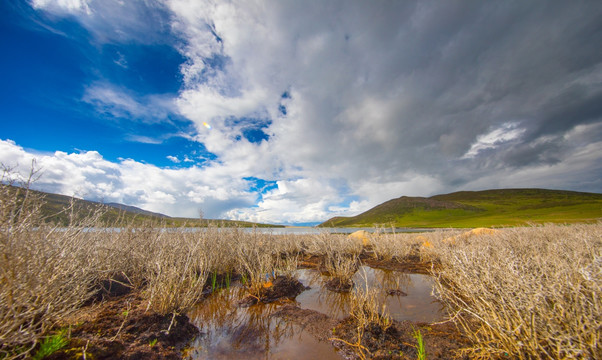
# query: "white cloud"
114, 21
175, 192
504, 134
68, 6
173, 159
120, 103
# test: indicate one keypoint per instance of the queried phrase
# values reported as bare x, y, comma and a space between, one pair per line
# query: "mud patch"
283, 287
122, 329
410, 264
441, 341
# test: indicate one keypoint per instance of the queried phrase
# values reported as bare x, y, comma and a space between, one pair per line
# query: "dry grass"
395, 246
45, 271
340, 258
526, 292
177, 273
366, 308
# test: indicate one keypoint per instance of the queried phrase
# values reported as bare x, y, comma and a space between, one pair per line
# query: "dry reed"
526, 292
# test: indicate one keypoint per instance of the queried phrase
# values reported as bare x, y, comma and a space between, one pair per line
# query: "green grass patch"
51, 344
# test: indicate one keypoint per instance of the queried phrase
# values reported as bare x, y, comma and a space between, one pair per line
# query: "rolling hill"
503, 207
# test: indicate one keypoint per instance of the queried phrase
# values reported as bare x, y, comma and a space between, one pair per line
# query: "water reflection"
233, 332
407, 296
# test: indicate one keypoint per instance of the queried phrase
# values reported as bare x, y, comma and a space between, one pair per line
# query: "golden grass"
366, 308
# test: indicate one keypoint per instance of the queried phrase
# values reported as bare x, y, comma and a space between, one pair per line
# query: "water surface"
418, 303
233, 332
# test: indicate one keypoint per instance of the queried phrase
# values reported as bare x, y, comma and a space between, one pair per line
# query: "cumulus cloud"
358, 102
176, 192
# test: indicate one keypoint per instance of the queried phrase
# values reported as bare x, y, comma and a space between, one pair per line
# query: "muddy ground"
118, 326
121, 328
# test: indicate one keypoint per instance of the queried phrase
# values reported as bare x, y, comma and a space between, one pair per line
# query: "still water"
233, 332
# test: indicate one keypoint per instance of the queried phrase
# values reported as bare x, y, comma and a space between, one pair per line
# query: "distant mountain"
480, 208
54, 206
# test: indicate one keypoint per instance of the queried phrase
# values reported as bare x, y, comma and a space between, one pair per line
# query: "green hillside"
505, 207
55, 205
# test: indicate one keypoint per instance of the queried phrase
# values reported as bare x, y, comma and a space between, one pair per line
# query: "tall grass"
44, 271
526, 292
366, 308
177, 273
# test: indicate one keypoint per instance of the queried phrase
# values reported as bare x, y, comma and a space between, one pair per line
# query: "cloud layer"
347, 104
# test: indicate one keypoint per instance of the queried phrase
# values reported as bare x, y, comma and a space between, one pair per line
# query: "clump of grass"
420, 351
257, 259
177, 274
50, 345
340, 258
367, 312
341, 268
394, 246
526, 292
365, 308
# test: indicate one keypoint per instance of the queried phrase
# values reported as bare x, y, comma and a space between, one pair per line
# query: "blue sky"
289, 112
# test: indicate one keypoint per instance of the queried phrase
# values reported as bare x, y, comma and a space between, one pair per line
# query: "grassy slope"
55, 203
481, 208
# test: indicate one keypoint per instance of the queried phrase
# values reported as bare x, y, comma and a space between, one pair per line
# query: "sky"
292, 112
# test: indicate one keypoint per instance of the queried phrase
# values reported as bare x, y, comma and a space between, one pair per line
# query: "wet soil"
282, 287
121, 328
395, 342
441, 341
410, 264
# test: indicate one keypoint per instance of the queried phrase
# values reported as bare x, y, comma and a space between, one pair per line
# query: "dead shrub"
527, 292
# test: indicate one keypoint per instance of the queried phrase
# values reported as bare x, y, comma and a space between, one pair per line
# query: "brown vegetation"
518, 293
526, 292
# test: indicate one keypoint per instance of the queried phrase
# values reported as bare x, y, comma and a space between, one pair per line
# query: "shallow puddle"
415, 304
233, 332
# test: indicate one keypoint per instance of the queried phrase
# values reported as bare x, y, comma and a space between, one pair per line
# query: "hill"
55, 205
502, 207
